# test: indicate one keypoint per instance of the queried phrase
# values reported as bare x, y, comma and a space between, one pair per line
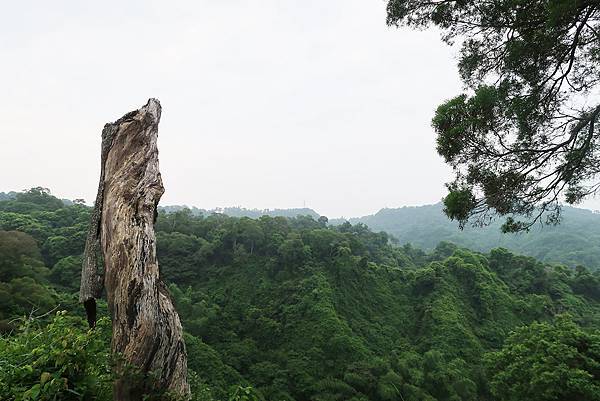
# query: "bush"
59, 361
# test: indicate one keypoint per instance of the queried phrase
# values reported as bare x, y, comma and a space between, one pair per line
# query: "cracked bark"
120, 256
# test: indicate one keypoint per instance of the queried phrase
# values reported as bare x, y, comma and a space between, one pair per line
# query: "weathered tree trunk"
147, 333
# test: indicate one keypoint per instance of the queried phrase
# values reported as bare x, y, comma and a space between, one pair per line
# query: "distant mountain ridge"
575, 241
12, 195
243, 212
7, 195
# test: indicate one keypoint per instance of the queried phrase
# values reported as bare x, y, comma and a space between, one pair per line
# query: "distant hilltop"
13, 194
7, 195
575, 241
242, 212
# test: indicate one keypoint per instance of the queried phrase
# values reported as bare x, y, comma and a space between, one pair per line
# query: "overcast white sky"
266, 104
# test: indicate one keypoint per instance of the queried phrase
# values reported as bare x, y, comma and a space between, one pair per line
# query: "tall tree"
525, 135
147, 335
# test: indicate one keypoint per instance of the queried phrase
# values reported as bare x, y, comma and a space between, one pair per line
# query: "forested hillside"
575, 241
280, 308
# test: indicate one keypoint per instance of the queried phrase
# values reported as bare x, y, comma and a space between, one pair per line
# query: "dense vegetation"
299, 310
575, 241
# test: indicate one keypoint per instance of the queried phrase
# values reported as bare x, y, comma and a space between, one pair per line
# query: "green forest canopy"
292, 309
576, 241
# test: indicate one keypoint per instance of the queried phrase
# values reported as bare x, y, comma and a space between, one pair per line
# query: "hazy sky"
266, 103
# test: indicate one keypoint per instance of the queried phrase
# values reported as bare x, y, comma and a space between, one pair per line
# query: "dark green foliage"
66, 273
544, 362
19, 256
339, 313
22, 277
291, 309
527, 131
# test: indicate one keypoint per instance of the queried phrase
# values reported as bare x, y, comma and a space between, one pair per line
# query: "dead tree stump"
146, 330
